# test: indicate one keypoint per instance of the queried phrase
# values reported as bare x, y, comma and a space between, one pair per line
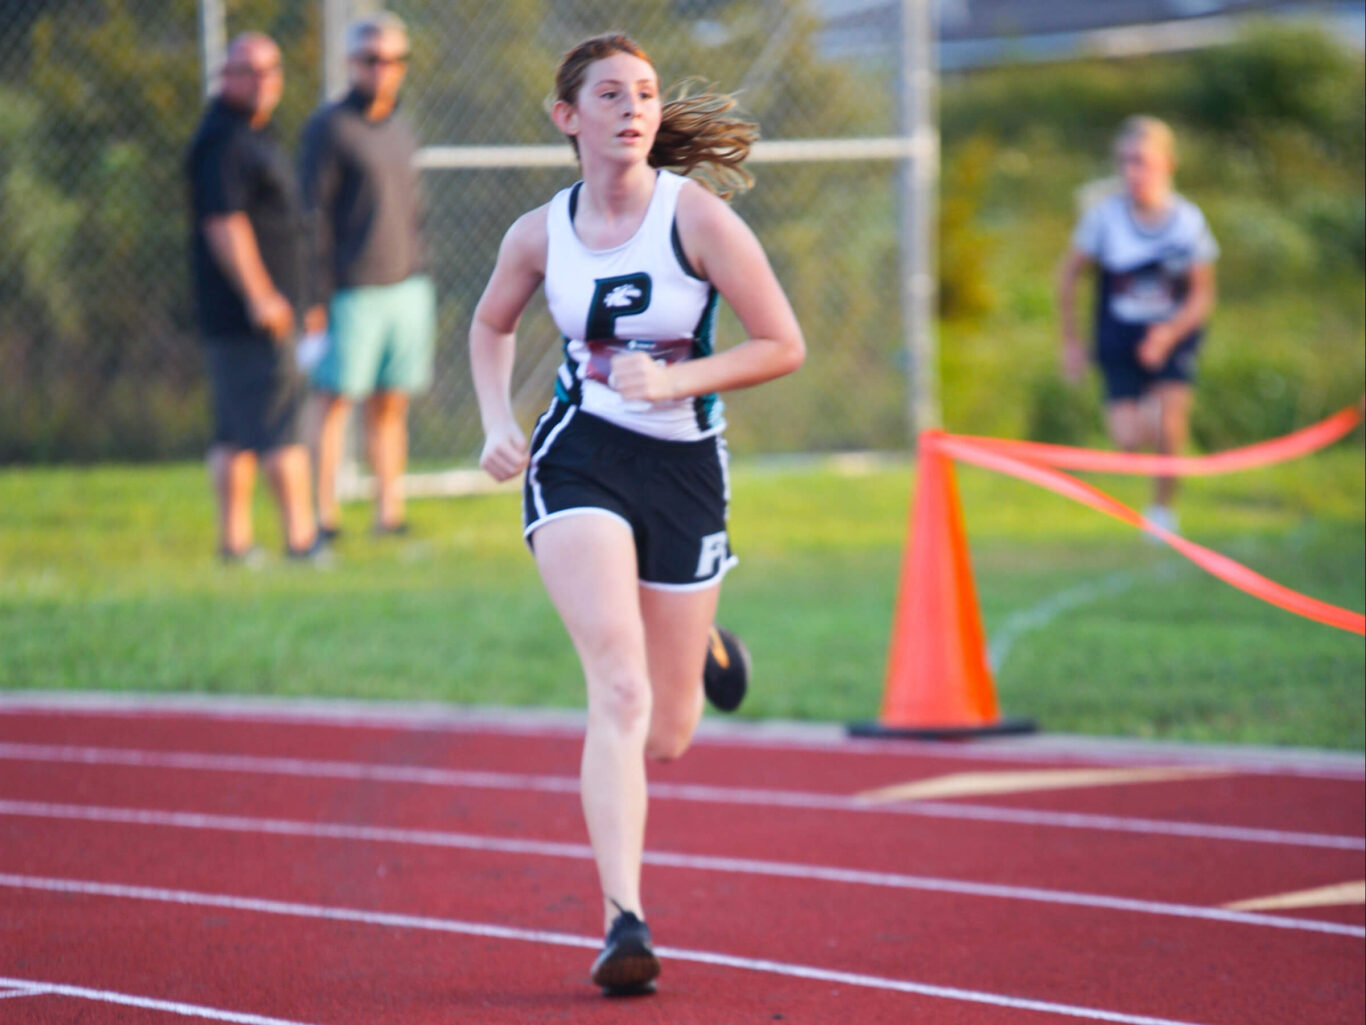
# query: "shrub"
1060, 413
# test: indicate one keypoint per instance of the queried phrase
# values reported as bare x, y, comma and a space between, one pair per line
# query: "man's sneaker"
627, 965
318, 554
726, 674
252, 557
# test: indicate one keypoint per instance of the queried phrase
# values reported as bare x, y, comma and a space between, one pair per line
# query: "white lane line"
7, 993
561, 724
35, 988
665, 859
1113, 823
1043, 612
305, 767
316, 769
559, 939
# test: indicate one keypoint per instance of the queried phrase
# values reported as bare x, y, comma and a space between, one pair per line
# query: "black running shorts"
1126, 378
672, 494
256, 393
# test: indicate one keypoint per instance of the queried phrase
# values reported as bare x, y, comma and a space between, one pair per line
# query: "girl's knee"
1124, 439
620, 698
668, 743
671, 731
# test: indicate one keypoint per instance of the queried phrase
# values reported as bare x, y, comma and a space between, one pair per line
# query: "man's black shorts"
1127, 378
672, 494
256, 393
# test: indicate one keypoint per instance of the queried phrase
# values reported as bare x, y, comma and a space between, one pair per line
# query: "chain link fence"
98, 356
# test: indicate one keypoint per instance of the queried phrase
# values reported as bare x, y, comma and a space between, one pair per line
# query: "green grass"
107, 582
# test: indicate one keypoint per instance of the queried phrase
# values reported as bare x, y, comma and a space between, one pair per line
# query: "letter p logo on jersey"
622, 296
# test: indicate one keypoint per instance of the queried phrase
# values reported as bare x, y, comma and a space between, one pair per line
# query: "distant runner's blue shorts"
1126, 378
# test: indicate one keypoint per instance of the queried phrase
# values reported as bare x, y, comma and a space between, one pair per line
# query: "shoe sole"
727, 685
630, 969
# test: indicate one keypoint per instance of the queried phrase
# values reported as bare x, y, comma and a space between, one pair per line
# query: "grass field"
107, 582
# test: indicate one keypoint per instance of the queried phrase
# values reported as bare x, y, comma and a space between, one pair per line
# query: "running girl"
626, 480
1154, 256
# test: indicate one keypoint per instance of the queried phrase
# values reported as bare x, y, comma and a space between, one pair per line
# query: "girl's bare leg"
676, 625
1174, 400
588, 564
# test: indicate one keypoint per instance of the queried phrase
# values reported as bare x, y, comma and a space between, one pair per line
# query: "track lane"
1179, 870
1279, 802
721, 865
853, 995
661, 789
383, 717
1267, 800
1253, 798
513, 982
49, 1002
990, 946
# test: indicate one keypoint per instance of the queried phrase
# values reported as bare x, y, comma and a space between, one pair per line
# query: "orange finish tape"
991, 457
1263, 453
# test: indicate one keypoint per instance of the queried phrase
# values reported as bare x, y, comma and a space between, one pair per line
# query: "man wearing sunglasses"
246, 249
368, 286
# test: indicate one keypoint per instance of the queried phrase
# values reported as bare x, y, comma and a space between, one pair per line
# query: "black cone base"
1002, 727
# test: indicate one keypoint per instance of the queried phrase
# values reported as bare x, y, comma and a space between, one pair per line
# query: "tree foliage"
98, 99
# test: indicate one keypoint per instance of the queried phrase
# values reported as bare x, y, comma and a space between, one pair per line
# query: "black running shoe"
627, 965
253, 557
726, 675
318, 554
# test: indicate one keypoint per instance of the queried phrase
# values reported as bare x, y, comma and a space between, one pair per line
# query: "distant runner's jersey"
1144, 272
640, 296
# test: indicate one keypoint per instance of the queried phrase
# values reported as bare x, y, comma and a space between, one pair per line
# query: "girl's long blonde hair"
698, 134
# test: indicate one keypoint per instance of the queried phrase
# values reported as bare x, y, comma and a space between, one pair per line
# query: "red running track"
269, 868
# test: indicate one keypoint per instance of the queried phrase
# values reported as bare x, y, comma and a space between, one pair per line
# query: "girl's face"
1146, 169
617, 113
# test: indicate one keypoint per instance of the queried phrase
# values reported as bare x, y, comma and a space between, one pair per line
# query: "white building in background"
977, 33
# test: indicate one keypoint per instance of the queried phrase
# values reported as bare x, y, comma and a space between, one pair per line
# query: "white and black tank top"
1144, 270
640, 296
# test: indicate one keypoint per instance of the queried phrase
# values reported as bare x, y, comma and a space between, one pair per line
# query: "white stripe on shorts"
578, 510
723, 457
714, 580
536, 496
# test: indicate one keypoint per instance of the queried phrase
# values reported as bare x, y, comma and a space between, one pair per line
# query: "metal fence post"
337, 14
919, 181
212, 43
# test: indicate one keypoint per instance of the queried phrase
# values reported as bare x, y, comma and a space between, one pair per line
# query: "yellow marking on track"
1320, 897
977, 784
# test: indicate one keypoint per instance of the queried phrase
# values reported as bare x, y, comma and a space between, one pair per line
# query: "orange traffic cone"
938, 681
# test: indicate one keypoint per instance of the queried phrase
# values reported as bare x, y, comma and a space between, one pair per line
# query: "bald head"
253, 77
251, 46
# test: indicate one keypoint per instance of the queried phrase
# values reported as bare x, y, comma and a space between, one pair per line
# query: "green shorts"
380, 339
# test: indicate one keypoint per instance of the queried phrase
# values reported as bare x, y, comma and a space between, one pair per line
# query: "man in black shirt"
247, 252
369, 288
